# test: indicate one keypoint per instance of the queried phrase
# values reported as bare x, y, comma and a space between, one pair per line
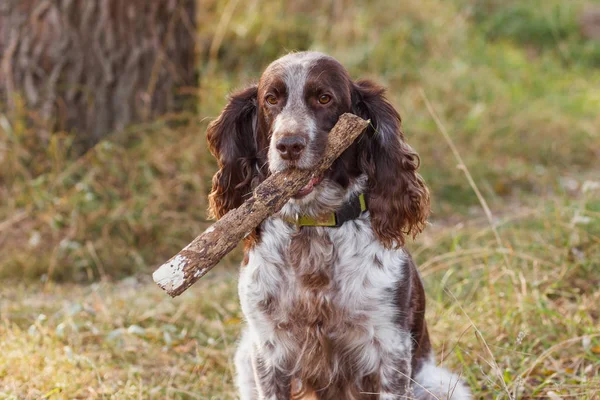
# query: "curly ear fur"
231, 139
398, 198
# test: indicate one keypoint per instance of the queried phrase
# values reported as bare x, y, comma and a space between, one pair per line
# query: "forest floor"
512, 302
517, 320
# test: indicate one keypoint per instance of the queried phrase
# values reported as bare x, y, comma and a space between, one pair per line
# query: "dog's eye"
271, 99
324, 99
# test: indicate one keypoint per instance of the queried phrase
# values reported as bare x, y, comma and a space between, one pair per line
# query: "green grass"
515, 84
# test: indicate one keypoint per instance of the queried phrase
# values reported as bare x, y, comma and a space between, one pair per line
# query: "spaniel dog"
334, 304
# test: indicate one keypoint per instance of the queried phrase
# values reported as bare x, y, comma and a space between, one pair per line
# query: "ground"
513, 293
519, 318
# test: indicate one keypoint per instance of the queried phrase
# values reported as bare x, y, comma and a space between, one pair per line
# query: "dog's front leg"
273, 382
394, 377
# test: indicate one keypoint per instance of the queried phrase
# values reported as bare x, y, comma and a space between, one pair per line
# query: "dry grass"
523, 330
121, 340
512, 303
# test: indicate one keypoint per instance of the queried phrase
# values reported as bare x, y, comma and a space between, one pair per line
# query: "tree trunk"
95, 66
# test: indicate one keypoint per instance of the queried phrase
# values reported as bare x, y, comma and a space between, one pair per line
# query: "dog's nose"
291, 147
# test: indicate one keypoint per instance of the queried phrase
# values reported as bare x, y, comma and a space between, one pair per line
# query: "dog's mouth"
310, 186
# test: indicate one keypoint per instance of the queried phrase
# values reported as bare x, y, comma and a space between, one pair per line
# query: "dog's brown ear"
231, 139
398, 198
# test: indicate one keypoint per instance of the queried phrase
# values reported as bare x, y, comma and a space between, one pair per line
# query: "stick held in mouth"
204, 252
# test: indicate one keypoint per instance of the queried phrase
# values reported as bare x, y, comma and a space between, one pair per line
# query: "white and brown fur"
332, 313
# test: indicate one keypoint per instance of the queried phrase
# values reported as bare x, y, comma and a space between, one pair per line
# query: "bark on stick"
204, 252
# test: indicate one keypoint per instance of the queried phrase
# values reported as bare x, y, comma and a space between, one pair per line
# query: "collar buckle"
352, 209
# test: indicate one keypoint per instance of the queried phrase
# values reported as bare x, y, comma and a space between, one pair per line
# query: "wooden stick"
204, 252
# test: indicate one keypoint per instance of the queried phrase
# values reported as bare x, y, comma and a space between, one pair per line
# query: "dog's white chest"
339, 283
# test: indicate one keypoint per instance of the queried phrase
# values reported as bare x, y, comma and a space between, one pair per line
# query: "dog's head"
283, 122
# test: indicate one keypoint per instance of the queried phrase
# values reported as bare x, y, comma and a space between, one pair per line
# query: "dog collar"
352, 209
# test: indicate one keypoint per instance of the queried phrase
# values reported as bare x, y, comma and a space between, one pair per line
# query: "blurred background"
104, 174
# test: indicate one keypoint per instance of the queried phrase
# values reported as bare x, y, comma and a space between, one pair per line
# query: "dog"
333, 302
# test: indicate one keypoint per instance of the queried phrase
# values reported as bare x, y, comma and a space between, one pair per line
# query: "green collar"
349, 211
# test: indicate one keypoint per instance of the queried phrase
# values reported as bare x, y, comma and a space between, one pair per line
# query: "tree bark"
95, 66
204, 252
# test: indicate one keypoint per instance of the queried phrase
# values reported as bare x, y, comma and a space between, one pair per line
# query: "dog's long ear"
232, 140
398, 197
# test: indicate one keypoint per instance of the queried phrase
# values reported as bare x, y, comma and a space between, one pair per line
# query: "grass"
489, 320
514, 83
